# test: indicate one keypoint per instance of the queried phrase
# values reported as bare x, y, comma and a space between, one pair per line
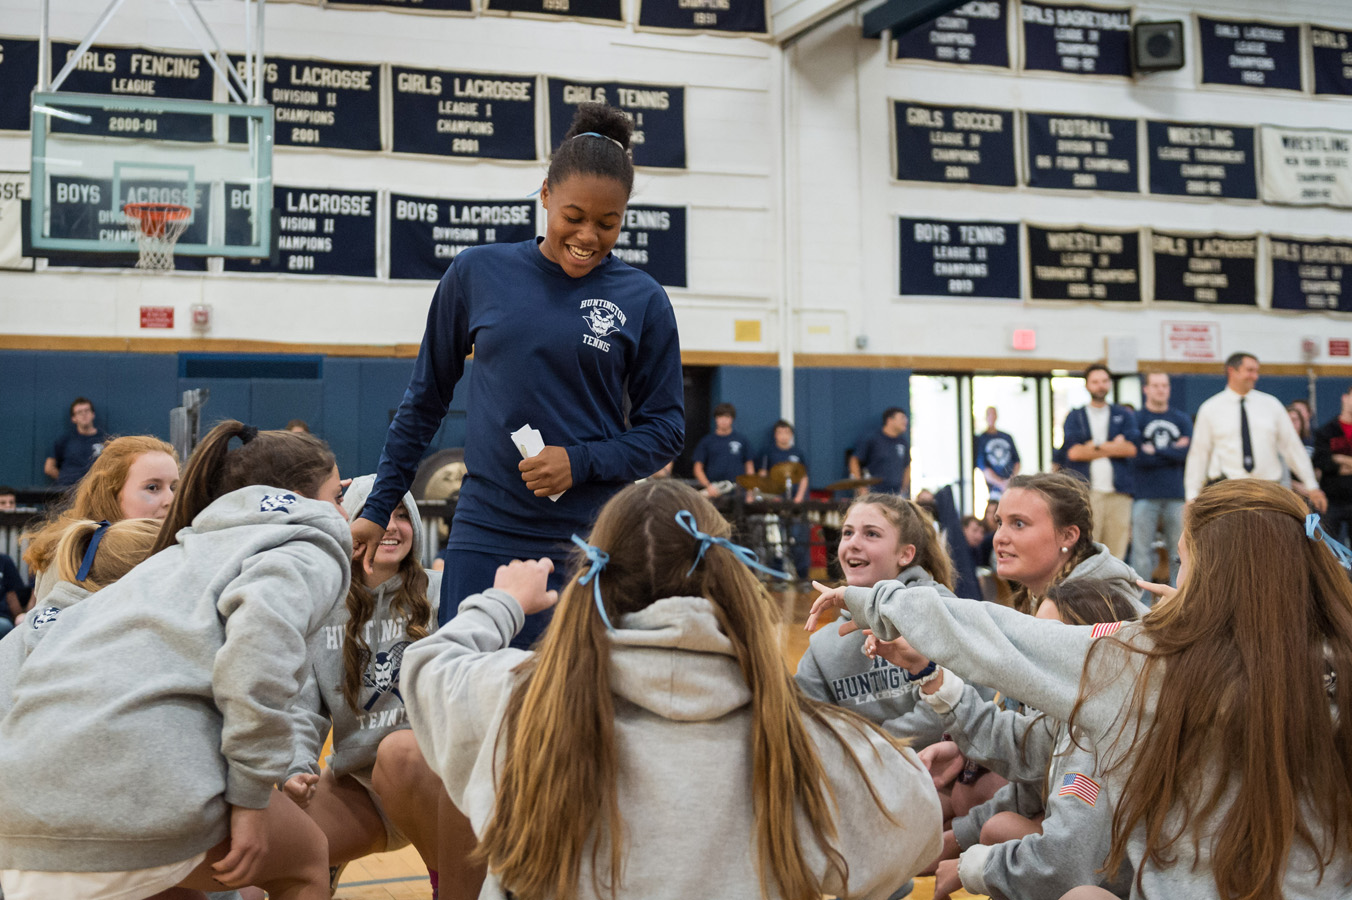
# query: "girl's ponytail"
123, 546
197, 485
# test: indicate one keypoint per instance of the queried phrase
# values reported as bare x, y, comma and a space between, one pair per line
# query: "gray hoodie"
321, 701
19, 643
162, 700
1042, 662
682, 732
1120, 577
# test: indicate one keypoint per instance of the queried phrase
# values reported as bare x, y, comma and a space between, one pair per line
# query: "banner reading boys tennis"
974, 34
1084, 264
1190, 159
952, 145
427, 233
942, 258
1311, 274
657, 111
1206, 268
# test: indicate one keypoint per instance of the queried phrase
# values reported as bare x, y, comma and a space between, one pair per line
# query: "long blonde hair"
123, 546
95, 497
551, 804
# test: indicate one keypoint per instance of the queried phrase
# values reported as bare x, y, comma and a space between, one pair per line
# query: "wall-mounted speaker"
1156, 46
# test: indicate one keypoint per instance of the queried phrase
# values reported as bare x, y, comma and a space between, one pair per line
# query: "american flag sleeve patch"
1077, 785
1103, 629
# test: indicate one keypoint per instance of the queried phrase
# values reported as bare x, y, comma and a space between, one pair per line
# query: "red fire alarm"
1024, 339
201, 316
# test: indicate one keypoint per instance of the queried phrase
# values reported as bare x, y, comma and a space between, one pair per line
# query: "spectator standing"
1333, 459
75, 451
1163, 451
996, 456
785, 450
886, 454
723, 455
1100, 441
1245, 433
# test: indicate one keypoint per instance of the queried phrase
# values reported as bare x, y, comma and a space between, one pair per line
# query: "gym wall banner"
1307, 167
657, 111
1311, 274
1077, 40
426, 233
468, 114
941, 258
975, 34
652, 238
1331, 50
1198, 159
1096, 264
19, 74
1082, 153
318, 103
953, 145
434, 7
322, 231
85, 209
1205, 268
13, 193
1249, 54
124, 71
603, 12
729, 17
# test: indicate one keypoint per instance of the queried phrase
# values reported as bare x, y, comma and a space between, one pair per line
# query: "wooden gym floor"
401, 875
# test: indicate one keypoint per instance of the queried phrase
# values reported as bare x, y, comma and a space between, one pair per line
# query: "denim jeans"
1148, 516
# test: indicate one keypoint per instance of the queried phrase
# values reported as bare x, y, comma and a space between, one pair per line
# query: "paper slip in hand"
529, 443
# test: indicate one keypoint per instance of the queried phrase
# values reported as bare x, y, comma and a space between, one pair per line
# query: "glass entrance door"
1015, 401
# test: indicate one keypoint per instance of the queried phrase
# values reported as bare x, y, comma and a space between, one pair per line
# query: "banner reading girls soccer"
940, 258
469, 114
952, 145
1077, 40
604, 11
1307, 167
1311, 274
19, 73
1206, 268
721, 16
974, 34
133, 71
427, 233
1250, 54
657, 111
1193, 159
1331, 52
322, 231
1084, 264
318, 103
1085, 153
652, 238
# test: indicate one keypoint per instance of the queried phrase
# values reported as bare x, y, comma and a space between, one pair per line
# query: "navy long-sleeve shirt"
1159, 475
557, 353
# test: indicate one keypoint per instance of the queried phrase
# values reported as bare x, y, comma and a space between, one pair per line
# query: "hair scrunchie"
247, 433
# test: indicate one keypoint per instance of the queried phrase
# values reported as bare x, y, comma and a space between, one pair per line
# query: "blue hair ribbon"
1315, 532
598, 559
686, 519
88, 562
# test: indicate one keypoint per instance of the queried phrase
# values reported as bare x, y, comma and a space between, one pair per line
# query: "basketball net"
157, 227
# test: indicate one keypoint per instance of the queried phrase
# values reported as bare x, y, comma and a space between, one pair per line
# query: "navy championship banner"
657, 111
952, 145
1077, 40
605, 11
722, 16
1206, 268
85, 209
1249, 54
318, 103
1311, 274
1082, 153
426, 233
652, 238
469, 114
461, 7
322, 231
974, 34
137, 71
1194, 159
1332, 63
1084, 264
19, 74
959, 259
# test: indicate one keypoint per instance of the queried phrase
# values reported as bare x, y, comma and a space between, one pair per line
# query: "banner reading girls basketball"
322, 231
652, 238
132, 71
19, 73
603, 11
1311, 274
952, 145
1084, 264
1250, 54
1194, 159
469, 114
1077, 40
941, 258
427, 233
1307, 167
1206, 268
722, 16
657, 111
317, 103
974, 34
1331, 52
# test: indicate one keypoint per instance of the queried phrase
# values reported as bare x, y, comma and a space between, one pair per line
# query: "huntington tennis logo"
276, 502
601, 317
383, 674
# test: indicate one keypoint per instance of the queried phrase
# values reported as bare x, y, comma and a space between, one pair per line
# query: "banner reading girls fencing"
1332, 61
19, 74
974, 34
657, 111
1077, 40
1082, 153
322, 231
1250, 54
952, 145
652, 238
426, 233
940, 258
723, 16
467, 114
1311, 274
318, 103
1307, 167
132, 71
1193, 159
1084, 264
1206, 268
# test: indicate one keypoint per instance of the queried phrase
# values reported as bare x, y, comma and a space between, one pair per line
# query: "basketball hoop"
157, 227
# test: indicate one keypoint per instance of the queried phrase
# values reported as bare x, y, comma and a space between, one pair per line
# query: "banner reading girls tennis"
657, 111
942, 258
974, 34
427, 233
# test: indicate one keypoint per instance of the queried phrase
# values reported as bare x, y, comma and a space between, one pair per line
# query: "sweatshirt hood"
64, 594
354, 501
1120, 577
673, 659
259, 504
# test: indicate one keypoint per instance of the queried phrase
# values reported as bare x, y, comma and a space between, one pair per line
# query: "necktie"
1245, 442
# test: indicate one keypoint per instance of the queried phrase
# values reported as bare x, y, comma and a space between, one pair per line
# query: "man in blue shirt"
784, 450
996, 456
1100, 441
886, 454
723, 455
75, 451
1163, 446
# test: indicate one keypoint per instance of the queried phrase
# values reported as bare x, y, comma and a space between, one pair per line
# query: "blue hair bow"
598, 559
88, 562
1315, 532
686, 519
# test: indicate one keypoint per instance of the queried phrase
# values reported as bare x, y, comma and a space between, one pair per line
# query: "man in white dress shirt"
1244, 433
